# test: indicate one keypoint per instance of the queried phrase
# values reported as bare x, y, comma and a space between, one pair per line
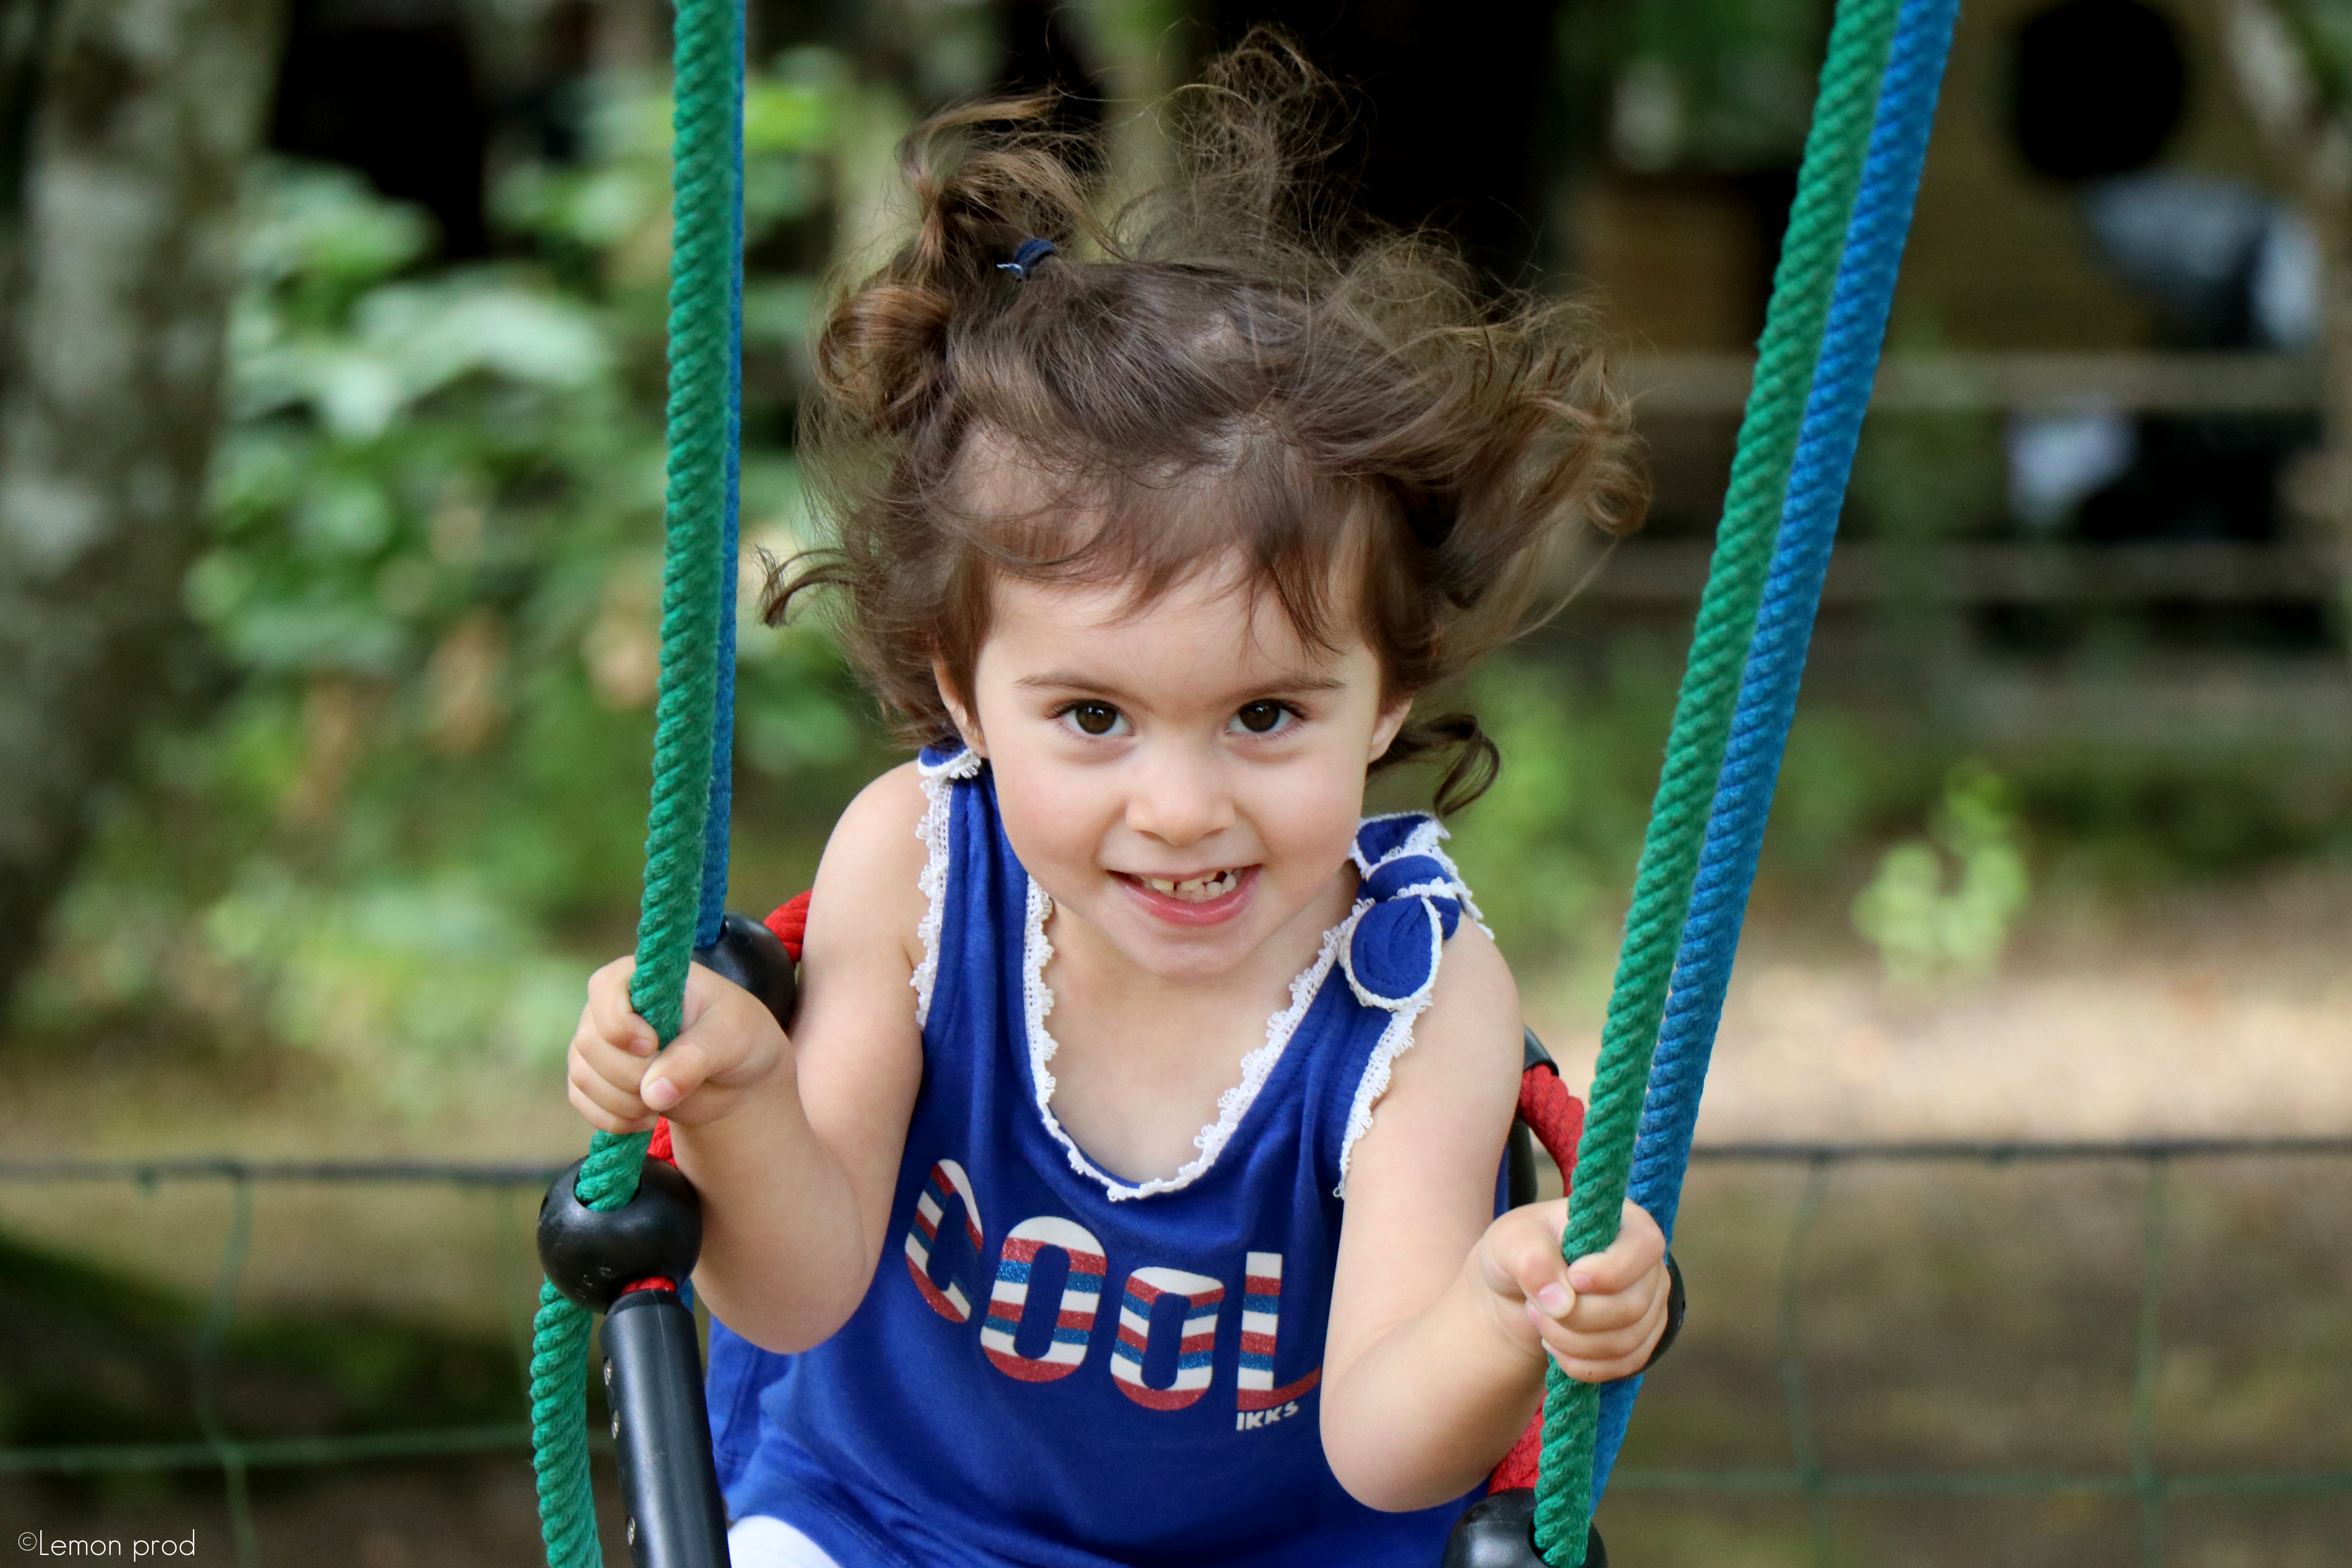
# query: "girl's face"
1184, 779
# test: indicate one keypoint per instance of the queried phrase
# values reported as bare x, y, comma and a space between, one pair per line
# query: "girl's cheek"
1316, 822
1051, 817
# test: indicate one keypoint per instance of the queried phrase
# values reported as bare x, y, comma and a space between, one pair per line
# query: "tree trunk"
148, 111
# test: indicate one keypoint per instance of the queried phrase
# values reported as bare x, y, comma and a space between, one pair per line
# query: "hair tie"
1031, 252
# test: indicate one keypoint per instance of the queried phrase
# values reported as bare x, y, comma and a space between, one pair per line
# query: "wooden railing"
1959, 382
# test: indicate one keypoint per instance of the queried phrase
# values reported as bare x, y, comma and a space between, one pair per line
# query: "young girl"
1126, 1190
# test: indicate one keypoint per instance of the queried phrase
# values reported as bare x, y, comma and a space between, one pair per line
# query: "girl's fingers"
622, 1068
675, 1073
1615, 1352
612, 1109
608, 1007
1604, 1314
1521, 1259
1598, 1318
705, 987
1596, 1370
1611, 1345
1640, 1247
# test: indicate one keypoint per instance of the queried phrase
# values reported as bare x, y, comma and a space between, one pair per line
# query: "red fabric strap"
1556, 1116
1557, 1119
790, 922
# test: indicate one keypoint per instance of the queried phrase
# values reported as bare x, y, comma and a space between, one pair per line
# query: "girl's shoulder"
867, 885
883, 821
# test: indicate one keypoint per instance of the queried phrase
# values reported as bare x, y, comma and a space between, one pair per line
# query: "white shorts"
763, 1542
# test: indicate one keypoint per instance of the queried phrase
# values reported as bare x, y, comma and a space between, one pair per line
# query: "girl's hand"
729, 1046
1598, 1317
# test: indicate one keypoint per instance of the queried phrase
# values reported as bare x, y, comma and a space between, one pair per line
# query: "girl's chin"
1175, 914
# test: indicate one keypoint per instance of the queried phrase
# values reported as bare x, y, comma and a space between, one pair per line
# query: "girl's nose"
1178, 796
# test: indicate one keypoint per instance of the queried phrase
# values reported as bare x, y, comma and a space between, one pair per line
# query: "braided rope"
689, 767
717, 815
1776, 658
1831, 170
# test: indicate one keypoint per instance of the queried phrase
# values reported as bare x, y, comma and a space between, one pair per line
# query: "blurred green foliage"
2323, 29
1717, 86
430, 596
1940, 908
1549, 851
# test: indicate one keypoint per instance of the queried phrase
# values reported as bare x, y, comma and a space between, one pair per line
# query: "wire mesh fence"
2136, 1476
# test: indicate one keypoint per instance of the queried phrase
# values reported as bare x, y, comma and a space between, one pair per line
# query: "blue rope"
1776, 655
713, 908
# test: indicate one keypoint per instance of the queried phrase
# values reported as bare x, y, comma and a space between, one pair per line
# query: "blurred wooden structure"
2132, 381
1904, 617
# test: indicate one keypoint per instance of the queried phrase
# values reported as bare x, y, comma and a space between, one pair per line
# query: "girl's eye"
1094, 718
1263, 717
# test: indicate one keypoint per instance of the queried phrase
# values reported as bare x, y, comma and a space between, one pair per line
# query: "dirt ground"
2215, 1011
1938, 1319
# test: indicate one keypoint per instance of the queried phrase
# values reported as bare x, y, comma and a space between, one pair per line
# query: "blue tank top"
1053, 1368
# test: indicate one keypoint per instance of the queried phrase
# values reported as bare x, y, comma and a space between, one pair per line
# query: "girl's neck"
1142, 1060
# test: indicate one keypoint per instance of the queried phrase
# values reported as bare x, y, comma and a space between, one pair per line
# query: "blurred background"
330, 376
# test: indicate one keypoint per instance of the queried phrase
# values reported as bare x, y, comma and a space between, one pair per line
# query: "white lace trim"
1394, 1041
939, 814
1231, 1106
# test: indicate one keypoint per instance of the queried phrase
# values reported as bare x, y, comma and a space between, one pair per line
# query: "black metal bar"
661, 1429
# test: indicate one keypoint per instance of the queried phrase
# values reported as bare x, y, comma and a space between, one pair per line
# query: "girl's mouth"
1205, 899
1195, 890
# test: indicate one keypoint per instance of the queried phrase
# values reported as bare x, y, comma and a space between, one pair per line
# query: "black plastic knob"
1499, 1531
750, 954
591, 1254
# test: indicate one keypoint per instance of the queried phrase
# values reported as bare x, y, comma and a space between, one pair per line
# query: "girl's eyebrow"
1288, 680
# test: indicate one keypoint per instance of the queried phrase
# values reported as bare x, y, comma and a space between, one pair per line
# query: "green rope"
702, 202
1831, 171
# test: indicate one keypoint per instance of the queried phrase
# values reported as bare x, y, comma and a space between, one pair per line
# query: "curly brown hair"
1231, 365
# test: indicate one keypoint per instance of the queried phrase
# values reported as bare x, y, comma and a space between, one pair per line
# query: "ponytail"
882, 354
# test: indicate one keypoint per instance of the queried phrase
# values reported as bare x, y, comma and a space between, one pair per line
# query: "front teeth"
1199, 889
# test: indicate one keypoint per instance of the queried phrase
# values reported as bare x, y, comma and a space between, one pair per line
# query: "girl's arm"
1441, 1315
793, 1143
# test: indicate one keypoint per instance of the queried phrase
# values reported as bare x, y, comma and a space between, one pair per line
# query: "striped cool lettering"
947, 1183
1074, 1322
1195, 1350
1261, 1324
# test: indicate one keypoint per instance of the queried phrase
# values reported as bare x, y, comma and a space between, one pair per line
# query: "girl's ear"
966, 725
1392, 719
